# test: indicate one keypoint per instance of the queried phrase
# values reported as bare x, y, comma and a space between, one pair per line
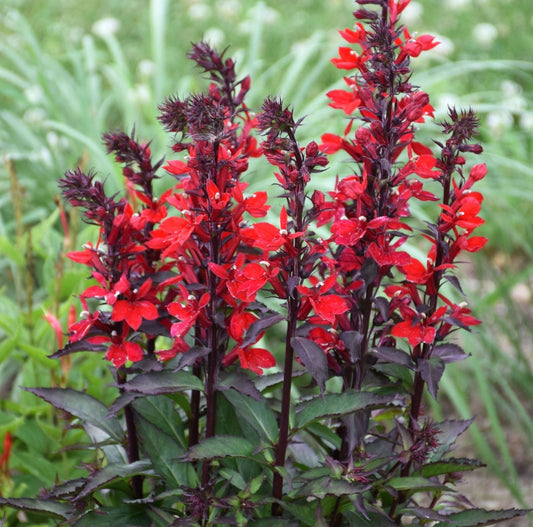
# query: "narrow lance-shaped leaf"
46, 507
218, 447
448, 353
431, 371
313, 358
259, 326
161, 382
256, 413
113, 472
337, 404
449, 466
83, 406
164, 452
481, 517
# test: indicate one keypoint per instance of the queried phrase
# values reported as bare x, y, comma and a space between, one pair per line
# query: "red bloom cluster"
188, 266
369, 207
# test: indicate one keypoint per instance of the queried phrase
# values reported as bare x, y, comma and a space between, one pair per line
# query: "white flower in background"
143, 94
510, 88
485, 33
458, 4
41, 156
53, 140
75, 35
412, 13
215, 36
34, 94
260, 11
445, 101
34, 115
229, 8
526, 121
146, 68
499, 121
199, 11
64, 143
106, 27
512, 95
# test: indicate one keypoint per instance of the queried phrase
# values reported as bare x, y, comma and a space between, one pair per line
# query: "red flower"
348, 59
327, 307
255, 359
255, 205
385, 254
121, 352
179, 346
174, 232
347, 101
187, 312
269, 238
134, 309
416, 327
4, 458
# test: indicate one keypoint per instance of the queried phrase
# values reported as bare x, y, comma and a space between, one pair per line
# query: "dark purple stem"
132, 446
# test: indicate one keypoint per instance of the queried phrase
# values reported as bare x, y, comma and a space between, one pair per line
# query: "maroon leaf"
352, 340
394, 356
448, 353
448, 432
313, 358
258, 327
239, 381
431, 371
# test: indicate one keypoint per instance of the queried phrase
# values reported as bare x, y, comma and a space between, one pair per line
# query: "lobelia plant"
193, 298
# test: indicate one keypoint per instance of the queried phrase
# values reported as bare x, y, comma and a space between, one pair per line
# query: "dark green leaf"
480, 517
424, 513
414, 483
337, 404
305, 514
220, 447
46, 507
83, 406
131, 515
372, 519
113, 472
271, 522
163, 451
161, 382
324, 486
161, 412
313, 358
256, 413
449, 466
